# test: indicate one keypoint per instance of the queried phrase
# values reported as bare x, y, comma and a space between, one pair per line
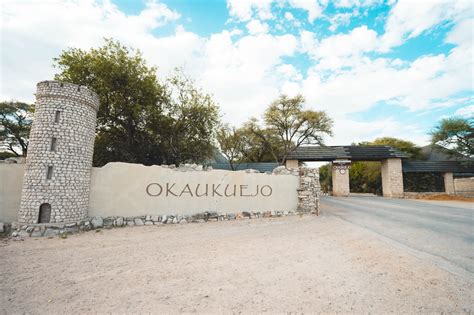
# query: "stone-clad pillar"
449, 183
340, 178
58, 166
308, 192
392, 178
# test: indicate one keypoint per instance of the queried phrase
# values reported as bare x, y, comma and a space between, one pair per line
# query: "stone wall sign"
207, 190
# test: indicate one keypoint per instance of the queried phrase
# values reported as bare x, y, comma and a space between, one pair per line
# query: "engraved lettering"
256, 192
269, 191
214, 190
233, 193
204, 194
154, 192
168, 190
242, 188
186, 190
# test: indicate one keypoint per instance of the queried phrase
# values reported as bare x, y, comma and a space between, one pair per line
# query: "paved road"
442, 232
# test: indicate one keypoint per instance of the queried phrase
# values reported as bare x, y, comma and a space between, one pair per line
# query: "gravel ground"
292, 264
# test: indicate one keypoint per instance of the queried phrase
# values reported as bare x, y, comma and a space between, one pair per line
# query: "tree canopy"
294, 125
455, 135
286, 126
141, 119
15, 125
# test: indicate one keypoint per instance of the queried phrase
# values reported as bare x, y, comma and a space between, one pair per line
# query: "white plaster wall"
11, 180
119, 189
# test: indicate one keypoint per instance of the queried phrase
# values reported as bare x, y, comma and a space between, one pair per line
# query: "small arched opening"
44, 213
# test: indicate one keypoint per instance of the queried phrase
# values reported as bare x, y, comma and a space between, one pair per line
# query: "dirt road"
308, 264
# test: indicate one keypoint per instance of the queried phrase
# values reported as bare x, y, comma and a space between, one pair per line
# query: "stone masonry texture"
392, 178
67, 191
308, 192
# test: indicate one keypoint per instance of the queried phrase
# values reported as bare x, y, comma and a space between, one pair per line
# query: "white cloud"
244, 10
462, 33
313, 8
33, 33
289, 16
467, 111
241, 74
341, 50
245, 72
256, 27
418, 85
408, 19
347, 131
355, 3
289, 72
338, 20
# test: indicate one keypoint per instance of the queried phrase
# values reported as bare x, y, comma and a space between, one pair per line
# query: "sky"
378, 68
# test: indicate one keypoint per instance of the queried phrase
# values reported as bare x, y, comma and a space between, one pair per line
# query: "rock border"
19, 231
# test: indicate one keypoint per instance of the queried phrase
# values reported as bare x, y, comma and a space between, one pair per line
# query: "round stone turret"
59, 161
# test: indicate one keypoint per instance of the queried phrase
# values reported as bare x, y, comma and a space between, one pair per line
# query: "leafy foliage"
325, 178
286, 127
189, 123
15, 125
455, 135
230, 143
295, 126
141, 120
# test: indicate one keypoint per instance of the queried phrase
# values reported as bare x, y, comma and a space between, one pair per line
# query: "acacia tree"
15, 125
455, 135
295, 126
259, 144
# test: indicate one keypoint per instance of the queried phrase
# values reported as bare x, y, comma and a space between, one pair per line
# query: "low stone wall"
19, 231
464, 186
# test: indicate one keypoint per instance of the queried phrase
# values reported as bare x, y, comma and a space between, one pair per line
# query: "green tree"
325, 177
259, 144
365, 176
455, 135
408, 147
231, 145
295, 126
188, 126
15, 125
140, 120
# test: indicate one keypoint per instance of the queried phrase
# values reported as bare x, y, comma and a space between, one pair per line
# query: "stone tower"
58, 166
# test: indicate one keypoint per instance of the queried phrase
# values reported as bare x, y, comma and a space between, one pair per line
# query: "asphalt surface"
441, 232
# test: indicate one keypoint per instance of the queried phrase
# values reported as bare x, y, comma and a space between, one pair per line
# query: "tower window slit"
49, 173
53, 143
57, 116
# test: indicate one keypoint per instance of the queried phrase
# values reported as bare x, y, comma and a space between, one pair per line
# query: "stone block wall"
309, 190
392, 178
464, 186
66, 113
340, 182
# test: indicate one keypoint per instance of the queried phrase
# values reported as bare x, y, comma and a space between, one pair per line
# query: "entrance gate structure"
341, 158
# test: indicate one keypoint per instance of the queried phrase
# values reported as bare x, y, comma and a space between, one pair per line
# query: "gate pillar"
392, 178
448, 183
340, 178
